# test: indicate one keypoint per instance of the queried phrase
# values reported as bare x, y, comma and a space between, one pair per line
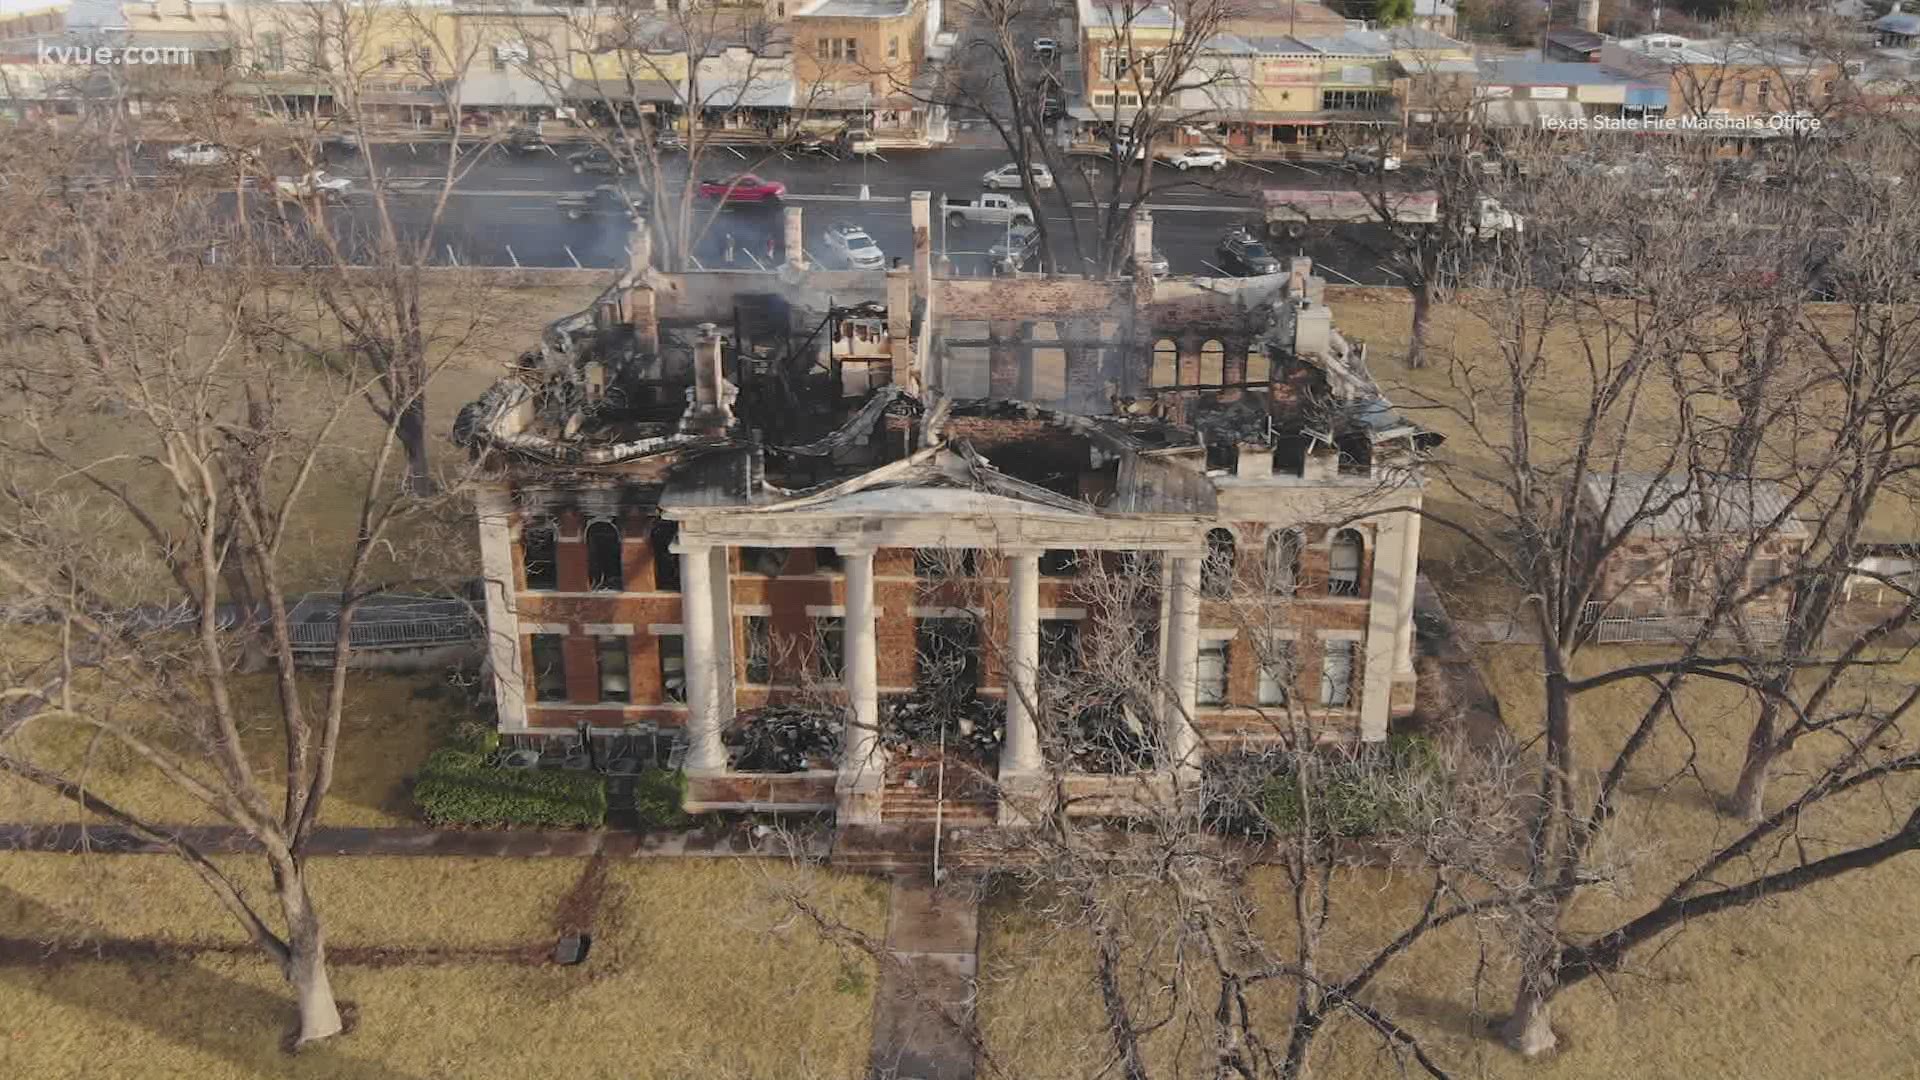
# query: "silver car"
852, 243
1018, 249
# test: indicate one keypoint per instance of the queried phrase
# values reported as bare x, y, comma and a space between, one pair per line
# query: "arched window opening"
1216, 574
1213, 364
1283, 562
538, 555
1166, 363
604, 572
1343, 564
1259, 366
666, 565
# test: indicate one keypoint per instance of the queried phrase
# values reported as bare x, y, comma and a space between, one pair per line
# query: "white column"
1383, 629
705, 753
1183, 666
1410, 581
861, 764
721, 573
1020, 754
495, 512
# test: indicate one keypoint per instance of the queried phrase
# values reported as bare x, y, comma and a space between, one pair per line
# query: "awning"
622, 90
483, 89
427, 98
1512, 113
754, 94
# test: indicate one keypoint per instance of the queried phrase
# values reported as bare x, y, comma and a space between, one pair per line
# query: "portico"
935, 499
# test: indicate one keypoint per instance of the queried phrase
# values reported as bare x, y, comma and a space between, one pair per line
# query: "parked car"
743, 188
198, 155
318, 182
812, 144
597, 160
669, 141
1008, 177
859, 140
1197, 157
605, 199
523, 140
1242, 253
1370, 160
988, 209
1045, 48
852, 243
1013, 253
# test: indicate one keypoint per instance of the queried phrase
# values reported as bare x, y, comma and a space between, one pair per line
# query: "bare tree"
366, 262
220, 438
669, 90
1162, 61
1184, 980
1742, 513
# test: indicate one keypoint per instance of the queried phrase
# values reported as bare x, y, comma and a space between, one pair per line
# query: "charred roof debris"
770, 386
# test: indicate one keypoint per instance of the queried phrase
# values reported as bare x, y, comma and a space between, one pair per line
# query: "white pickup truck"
988, 209
1289, 212
319, 182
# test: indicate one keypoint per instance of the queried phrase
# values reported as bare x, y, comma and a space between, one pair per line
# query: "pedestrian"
770, 246
729, 249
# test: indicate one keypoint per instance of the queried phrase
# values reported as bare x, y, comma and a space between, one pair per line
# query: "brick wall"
801, 583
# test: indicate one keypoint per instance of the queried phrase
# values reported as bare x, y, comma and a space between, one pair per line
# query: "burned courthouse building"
720, 495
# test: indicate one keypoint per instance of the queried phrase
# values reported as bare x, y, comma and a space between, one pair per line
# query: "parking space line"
1335, 273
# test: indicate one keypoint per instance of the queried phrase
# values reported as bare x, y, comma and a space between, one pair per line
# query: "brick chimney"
710, 412
639, 252
796, 238
1312, 330
1143, 244
1298, 270
920, 203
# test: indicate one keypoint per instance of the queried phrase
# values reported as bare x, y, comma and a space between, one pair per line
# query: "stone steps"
905, 849
904, 808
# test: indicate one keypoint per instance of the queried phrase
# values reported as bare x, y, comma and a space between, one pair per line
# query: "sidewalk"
928, 992
73, 839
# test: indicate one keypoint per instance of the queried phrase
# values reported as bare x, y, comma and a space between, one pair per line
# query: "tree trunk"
306, 966
1749, 798
412, 430
1530, 1030
1422, 315
1750, 792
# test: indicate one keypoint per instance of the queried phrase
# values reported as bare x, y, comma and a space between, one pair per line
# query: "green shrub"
659, 796
457, 786
1360, 796
474, 737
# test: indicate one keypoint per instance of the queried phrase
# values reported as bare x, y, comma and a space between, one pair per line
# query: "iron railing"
1663, 629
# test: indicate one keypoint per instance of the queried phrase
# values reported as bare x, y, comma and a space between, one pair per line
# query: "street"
503, 211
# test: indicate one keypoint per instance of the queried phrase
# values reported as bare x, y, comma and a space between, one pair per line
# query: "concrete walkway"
928, 992
501, 843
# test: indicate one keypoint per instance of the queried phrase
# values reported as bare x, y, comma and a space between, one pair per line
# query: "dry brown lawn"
1383, 319
388, 727
695, 971
1819, 983
476, 334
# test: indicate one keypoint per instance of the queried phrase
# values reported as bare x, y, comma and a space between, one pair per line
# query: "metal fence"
1671, 629
383, 622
